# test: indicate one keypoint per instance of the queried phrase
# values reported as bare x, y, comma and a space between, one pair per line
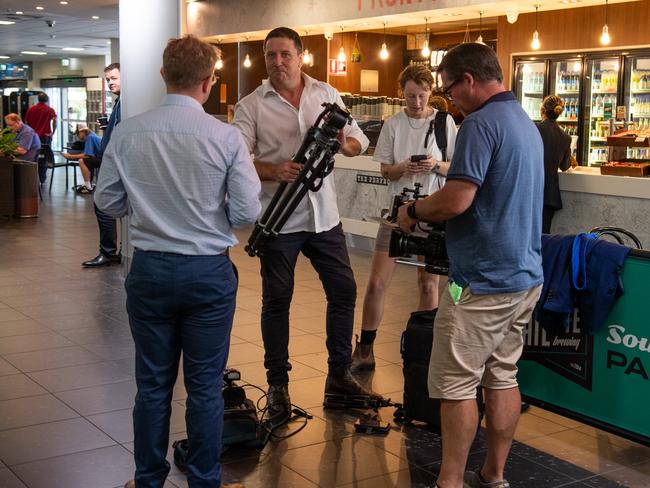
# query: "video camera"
432, 247
316, 154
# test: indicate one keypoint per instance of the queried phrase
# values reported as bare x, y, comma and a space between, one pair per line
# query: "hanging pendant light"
383, 54
219, 64
466, 37
604, 37
535, 42
247, 60
342, 57
426, 52
307, 57
479, 39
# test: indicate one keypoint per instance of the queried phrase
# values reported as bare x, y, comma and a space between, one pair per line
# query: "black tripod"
316, 154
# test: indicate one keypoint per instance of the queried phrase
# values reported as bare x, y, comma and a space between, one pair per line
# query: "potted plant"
7, 148
7, 145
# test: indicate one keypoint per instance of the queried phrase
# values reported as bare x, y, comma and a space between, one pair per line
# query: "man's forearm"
264, 170
450, 201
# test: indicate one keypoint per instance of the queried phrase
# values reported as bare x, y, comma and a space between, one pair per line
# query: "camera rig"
316, 154
432, 247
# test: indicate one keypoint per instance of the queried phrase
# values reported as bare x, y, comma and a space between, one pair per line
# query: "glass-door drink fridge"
530, 86
566, 83
602, 92
637, 99
602, 77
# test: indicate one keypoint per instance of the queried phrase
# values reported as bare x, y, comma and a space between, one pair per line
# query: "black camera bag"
241, 426
415, 347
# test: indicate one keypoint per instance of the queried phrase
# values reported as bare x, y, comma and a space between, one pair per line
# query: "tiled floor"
67, 386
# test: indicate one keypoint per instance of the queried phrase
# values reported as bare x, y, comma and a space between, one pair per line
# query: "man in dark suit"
108, 252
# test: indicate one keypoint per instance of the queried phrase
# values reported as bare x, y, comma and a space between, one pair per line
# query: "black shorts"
92, 162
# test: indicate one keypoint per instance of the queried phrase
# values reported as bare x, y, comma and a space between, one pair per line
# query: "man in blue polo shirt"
492, 203
28, 141
88, 159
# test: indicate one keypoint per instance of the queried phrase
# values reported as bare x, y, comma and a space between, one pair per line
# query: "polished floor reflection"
67, 386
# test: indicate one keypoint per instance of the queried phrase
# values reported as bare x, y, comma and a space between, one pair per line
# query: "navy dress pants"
178, 303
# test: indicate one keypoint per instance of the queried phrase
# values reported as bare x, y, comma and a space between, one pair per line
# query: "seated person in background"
28, 141
88, 160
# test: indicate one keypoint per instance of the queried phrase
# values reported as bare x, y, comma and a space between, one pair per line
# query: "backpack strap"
440, 131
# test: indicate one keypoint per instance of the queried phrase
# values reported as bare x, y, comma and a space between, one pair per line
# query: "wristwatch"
436, 167
410, 211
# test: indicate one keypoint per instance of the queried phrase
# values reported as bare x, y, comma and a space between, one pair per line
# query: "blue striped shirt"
185, 178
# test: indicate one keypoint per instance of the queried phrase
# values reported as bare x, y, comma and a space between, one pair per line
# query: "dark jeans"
47, 159
179, 303
329, 257
107, 233
547, 218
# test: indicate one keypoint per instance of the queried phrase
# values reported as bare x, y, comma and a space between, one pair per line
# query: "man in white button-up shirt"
274, 120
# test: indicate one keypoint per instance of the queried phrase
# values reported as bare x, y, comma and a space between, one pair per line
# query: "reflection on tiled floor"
67, 385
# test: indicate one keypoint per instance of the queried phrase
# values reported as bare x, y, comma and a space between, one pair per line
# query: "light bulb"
219, 63
383, 54
342, 57
535, 44
479, 39
604, 38
247, 62
426, 52
306, 57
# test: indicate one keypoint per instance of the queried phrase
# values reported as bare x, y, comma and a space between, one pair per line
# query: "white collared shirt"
274, 129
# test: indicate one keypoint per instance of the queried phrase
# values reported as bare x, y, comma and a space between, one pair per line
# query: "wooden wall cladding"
370, 45
574, 30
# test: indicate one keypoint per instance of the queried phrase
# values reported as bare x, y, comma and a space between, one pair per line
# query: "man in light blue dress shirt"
186, 180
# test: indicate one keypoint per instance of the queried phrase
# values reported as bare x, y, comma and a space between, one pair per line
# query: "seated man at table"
29, 144
88, 159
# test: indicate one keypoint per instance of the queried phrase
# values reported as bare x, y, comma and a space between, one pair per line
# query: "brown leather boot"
363, 357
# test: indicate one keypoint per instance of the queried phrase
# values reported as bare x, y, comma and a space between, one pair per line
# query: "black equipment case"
415, 347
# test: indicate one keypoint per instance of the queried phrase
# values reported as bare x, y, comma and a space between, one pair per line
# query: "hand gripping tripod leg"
316, 154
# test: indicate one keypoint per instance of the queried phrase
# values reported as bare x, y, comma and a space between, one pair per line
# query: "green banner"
604, 377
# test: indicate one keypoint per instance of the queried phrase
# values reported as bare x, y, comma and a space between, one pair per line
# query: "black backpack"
440, 131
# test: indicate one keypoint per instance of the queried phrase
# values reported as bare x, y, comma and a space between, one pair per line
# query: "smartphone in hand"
419, 157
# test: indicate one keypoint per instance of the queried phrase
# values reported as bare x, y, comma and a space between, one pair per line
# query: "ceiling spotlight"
19, 12
40, 8
63, 2
95, 17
